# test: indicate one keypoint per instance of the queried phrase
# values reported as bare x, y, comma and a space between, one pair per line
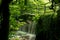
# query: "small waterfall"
26, 35
27, 30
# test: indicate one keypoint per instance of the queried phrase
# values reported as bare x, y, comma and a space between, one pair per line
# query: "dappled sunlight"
30, 19
45, 1
27, 18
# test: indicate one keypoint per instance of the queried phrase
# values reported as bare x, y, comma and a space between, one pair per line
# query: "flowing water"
28, 30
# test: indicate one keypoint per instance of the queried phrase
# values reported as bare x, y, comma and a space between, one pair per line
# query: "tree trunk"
58, 24
4, 9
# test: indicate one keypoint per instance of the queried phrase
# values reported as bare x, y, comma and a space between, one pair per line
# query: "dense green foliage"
32, 11
22, 11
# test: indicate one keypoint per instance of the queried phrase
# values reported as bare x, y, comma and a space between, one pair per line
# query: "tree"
4, 9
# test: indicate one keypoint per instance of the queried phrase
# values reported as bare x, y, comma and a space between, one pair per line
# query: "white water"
25, 34
28, 30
